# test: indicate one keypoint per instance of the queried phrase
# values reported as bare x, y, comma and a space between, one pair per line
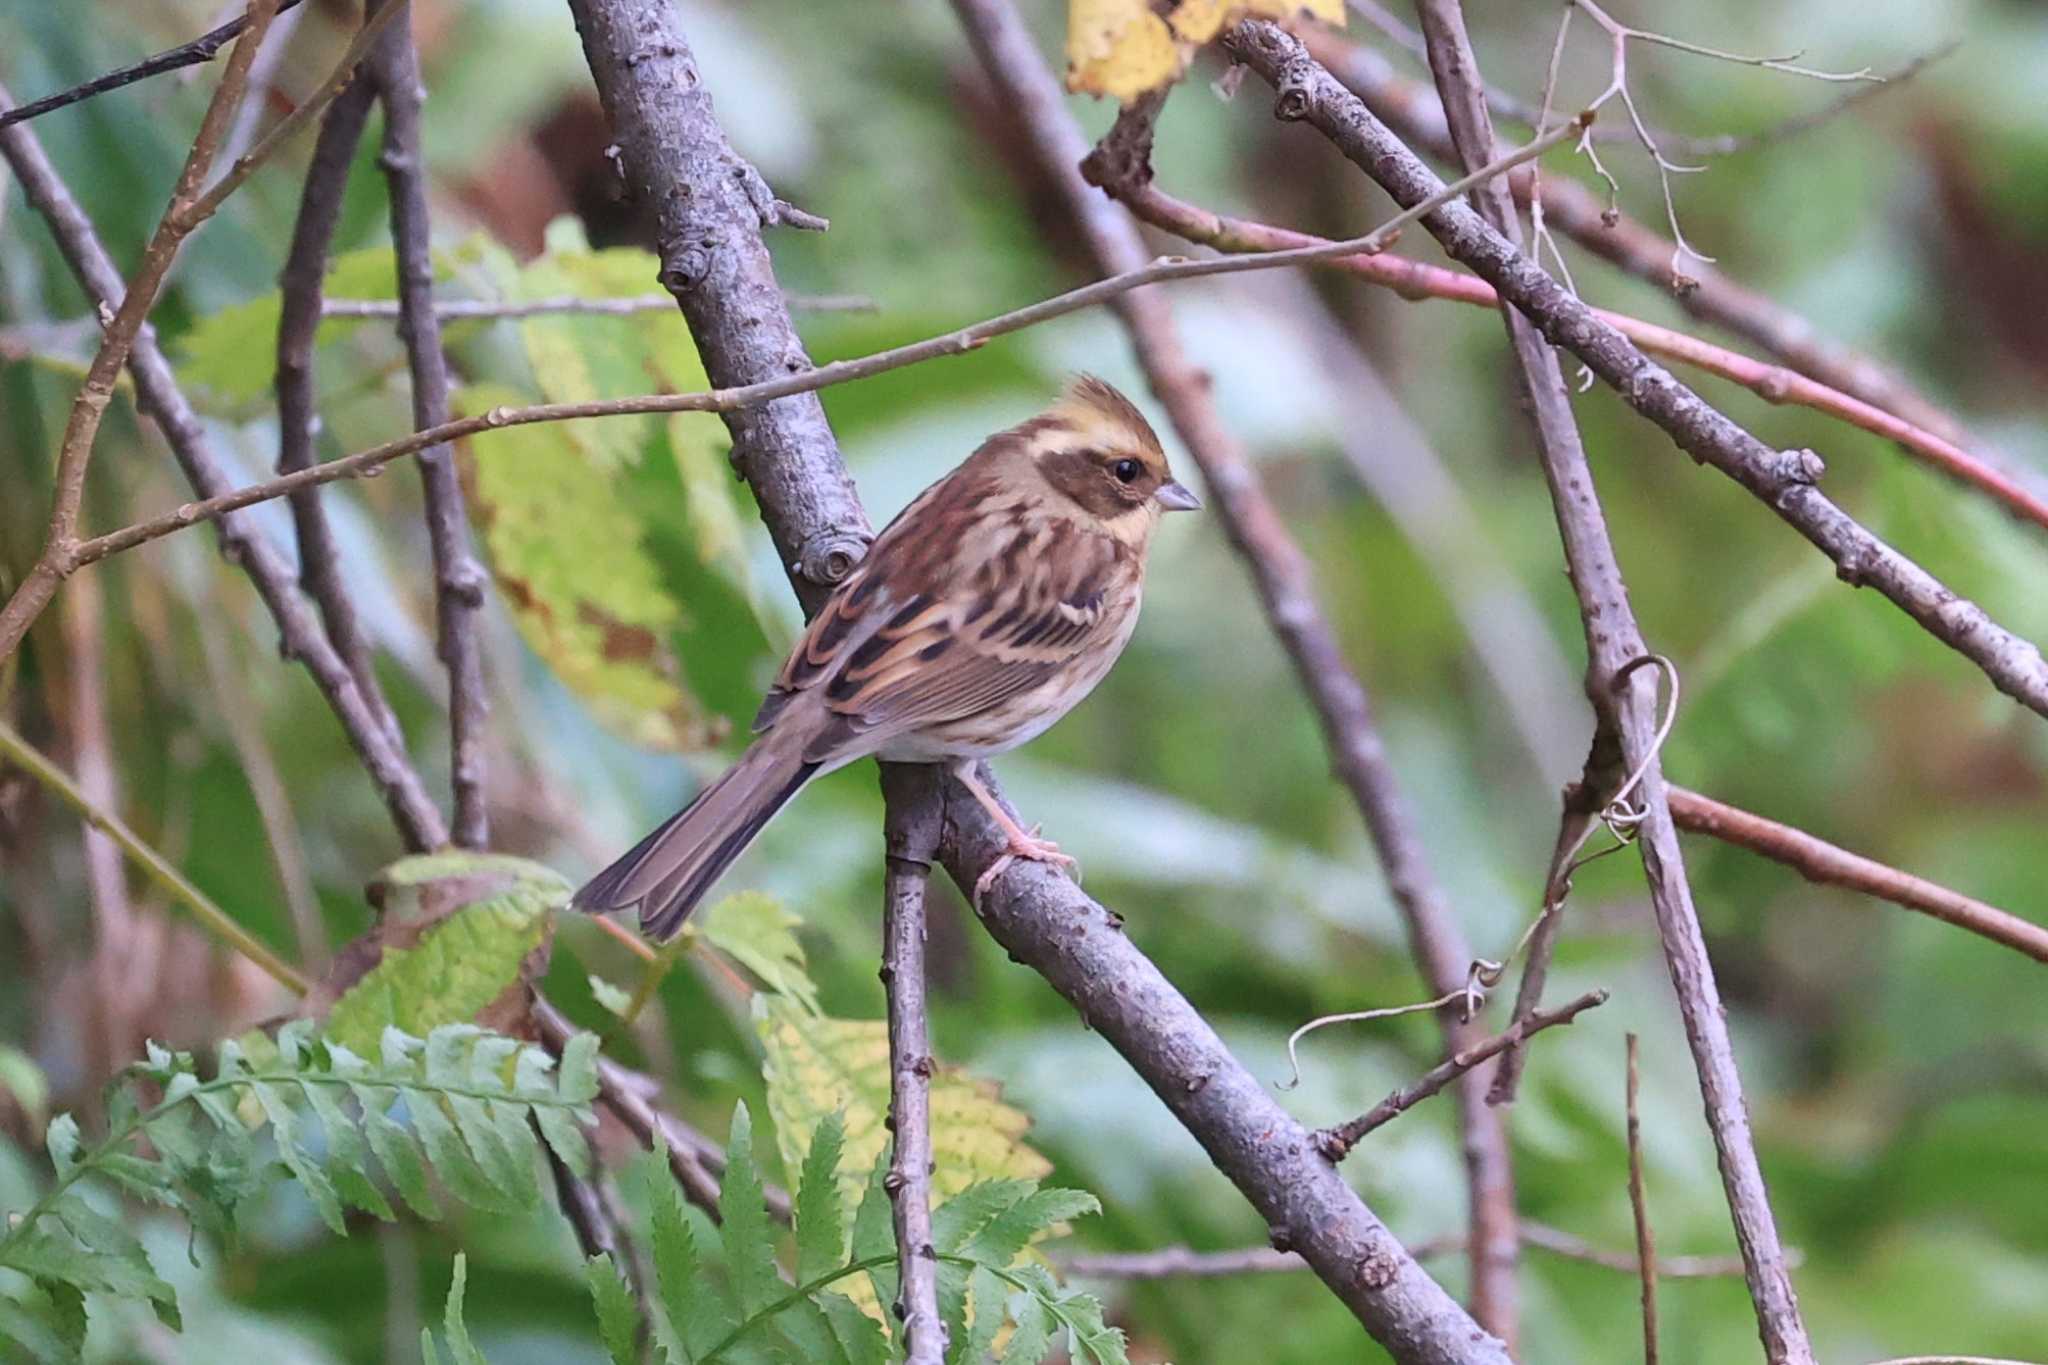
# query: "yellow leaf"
1118, 48
1123, 49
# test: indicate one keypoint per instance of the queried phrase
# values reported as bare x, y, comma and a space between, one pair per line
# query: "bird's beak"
1177, 497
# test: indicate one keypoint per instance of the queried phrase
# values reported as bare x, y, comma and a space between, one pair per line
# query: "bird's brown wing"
893, 657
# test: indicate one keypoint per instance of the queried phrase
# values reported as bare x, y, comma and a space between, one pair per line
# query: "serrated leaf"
958, 1218
1035, 1326
820, 1230
759, 932
618, 1322
45, 1340
397, 1150
568, 550
1003, 1238
233, 353
461, 1349
348, 1153
861, 1337
561, 1128
697, 1314
817, 1066
989, 1296
743, 1221
874, 1231
459, 965
284, 1125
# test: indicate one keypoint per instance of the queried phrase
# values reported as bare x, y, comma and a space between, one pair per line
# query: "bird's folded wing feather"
894, 657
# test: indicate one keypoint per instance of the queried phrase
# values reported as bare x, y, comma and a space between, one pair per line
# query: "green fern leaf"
61, 1137
743, 1214
461, 1349
697, 1314
874, 1231
1003, 1238
757, 931
820, 1230
559, 1126
398, 1151
618, 1321
1033, 1335
44, 1335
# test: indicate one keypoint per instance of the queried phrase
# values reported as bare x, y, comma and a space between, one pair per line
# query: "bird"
983, 613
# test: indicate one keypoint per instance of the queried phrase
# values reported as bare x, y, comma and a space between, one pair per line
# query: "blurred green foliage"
1897, 1069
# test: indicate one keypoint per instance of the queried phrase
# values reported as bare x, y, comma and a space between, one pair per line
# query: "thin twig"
18, 751
488, 310
1827, 864
299, 633
300, 282
1646, 1242
122, 324
200, 50
912, 837
1613, 641
394, 69
1336, 1142
1175, 1262
742, 397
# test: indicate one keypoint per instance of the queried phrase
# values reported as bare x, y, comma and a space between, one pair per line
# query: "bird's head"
1097, 452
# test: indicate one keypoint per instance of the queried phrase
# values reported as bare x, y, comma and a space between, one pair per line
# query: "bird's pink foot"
1027, 846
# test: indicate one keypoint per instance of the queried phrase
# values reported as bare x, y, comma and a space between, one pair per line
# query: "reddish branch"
1622, 699
1819, 861
1281, 574
1127, 177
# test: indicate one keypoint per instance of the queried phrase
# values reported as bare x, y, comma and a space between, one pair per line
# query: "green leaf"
36, 1333
743, 1214
697, 1314
284, 1124
233, 353
460, 1348
988, 1294
820, 1231
348, 1153
1005, 1236
459, 965
396, 1148
23, 1080
874, 1231
618, 1322
614, 999
559, 1126
757, 931
958, 1218
1033, 1336
568, 551
452, 1063
62, 1140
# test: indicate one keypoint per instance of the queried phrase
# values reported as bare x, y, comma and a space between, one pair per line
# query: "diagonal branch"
1613, 641
676, 156
1281, 574
394, 69
299, 633
1783, 480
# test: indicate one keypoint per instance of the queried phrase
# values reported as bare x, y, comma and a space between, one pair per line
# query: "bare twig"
121, 325
1819, 861
1172, 1262
1413, 111
200, 50
912, 836
1646, 1242
1336, 1142
300, 282
464, 310
1285, 583
1415, 279
299, 632
1784, 480
1612, 639
394, 68
25, 756
829, 561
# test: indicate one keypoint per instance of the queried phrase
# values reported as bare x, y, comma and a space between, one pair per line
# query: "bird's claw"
1029, 847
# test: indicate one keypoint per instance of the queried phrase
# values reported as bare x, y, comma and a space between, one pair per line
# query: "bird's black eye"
1126, 471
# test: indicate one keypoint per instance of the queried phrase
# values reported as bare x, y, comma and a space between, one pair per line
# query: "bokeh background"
1897, 1069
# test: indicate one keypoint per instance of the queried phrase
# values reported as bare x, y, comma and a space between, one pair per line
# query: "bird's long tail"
668, 872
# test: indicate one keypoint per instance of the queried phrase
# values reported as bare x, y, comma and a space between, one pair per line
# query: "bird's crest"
1093, 406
